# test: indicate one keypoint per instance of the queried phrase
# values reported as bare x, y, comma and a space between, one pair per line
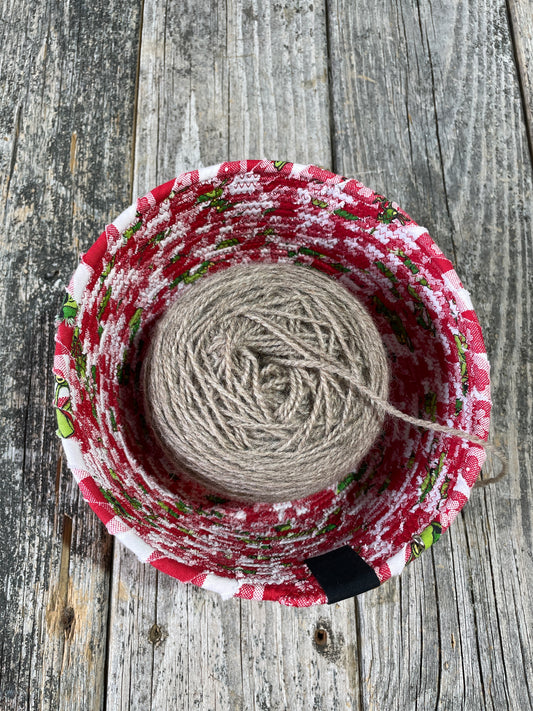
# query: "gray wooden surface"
426, 102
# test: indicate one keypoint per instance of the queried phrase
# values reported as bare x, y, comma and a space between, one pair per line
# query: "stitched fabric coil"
409, 487
247, 381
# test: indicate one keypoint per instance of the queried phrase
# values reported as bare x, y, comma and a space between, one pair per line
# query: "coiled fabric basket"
366, 527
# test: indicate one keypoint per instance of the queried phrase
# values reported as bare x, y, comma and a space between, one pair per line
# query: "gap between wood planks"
526, 91
132, 172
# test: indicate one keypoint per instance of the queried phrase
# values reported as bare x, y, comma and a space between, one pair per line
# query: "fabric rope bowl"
369, 523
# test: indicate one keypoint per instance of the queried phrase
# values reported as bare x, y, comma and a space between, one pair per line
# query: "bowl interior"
343, 229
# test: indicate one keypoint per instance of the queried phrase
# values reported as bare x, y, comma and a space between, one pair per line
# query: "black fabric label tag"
342, 573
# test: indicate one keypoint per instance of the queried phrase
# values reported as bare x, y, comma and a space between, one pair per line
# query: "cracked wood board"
447, 140
67, 82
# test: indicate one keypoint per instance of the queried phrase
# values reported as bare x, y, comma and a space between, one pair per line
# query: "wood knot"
66, 619
155, 635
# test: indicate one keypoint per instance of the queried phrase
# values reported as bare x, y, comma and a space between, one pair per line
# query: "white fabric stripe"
62, 364
132, 541
208, 172
298, 168
225, 587
73, 452
125, 218
461, 486
414, 231
80, 279
80, 474
117, 525
397, 562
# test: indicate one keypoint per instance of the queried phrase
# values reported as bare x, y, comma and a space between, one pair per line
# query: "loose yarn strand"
386, 406
268, 387
437, 427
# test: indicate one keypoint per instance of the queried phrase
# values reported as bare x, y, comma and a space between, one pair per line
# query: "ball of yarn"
247, 381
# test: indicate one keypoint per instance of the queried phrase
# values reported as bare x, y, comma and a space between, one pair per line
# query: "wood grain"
427, 103
447, 140
67, 82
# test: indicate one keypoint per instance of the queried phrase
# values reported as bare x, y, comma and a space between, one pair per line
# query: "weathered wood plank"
249, 81
300, 658
278, 102
435, 88
67, 83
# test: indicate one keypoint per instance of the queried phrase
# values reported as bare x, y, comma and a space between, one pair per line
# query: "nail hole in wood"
66, 619
321, 637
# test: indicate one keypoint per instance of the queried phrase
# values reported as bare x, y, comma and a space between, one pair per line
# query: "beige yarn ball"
249, 381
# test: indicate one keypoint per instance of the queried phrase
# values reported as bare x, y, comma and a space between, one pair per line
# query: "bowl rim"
231, 587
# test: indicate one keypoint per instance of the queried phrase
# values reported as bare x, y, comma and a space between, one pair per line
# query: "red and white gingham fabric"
412, 484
